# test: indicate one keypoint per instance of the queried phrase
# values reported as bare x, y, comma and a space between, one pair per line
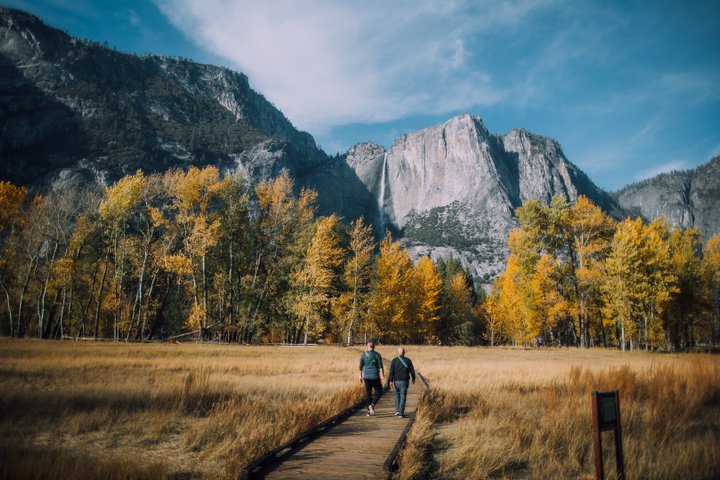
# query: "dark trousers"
401, 388
371, 385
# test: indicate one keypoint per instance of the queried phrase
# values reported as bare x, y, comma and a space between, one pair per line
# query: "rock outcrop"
452, 189
686, 199
70, 107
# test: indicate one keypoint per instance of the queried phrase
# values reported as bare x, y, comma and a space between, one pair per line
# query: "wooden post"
620, 462
597, 436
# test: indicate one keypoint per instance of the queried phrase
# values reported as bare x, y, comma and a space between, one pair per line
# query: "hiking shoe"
397, 414
371, 410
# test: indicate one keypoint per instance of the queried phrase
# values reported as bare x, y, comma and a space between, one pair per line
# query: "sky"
630, 89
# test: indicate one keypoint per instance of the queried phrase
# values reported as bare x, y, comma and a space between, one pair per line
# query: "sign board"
607, 411
606, 417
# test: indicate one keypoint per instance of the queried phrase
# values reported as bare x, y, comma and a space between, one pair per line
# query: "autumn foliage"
195, 253
198, 253
577, 277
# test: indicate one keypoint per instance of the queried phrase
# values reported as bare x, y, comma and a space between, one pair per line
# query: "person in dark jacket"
401, 372
372, 374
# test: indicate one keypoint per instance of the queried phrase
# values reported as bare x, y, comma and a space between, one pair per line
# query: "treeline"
156, 256
577, 277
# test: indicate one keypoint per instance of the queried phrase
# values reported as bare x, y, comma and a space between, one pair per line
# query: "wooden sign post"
606, 417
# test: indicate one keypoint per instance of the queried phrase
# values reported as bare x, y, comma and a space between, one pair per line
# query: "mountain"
69, 107
74, 111
451, 189
689, 198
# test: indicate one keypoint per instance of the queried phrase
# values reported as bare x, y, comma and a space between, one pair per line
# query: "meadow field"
109, 410
512, 413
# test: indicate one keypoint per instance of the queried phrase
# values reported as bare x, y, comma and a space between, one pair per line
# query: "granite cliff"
70, 107
451, 189
689, 198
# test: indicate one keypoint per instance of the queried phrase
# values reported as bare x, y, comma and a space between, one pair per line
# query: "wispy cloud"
326, 63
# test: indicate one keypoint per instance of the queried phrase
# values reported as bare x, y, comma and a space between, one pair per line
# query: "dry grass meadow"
104, 410
511, 413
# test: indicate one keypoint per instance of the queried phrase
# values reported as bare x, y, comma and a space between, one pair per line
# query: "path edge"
258, 468
391, 462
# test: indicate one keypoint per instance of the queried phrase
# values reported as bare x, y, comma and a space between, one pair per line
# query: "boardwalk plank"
354, 449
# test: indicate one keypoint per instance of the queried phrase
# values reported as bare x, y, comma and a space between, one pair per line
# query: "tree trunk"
41, 300
9, 307
622, 334
137, 307
205, 294
26, 282
99, 300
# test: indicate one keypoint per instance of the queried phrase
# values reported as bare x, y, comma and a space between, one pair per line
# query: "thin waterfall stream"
381, 195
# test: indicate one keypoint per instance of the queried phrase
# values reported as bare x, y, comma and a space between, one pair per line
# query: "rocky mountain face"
70, 107
451, 189
687, 199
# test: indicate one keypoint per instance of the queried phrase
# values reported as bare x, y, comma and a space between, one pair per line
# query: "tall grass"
77, 410
530, 416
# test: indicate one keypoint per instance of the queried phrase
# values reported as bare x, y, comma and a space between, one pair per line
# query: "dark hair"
371, 344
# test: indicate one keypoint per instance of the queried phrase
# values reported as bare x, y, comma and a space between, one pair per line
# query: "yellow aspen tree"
548, 305
591, 231
507, 305
11, 199
682, 286
429, 287
283, 223
391, 300
192, 193
115, 211
625, 278
352, 304
317, 279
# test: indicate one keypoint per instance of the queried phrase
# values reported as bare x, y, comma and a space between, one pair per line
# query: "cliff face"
69, 108
451, 189
687, 199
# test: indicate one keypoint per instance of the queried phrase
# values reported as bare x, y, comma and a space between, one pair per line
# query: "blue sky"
628, 88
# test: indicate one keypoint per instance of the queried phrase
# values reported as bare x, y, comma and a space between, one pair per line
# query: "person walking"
373, 375
401, 372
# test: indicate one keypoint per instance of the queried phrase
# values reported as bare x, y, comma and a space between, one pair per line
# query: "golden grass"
103, 410
512, 413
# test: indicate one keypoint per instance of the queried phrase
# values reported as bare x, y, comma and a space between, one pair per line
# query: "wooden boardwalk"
356, 448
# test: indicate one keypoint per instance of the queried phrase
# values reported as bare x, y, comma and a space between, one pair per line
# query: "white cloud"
326, 63
658, 169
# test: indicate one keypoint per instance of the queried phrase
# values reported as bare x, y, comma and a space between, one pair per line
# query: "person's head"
371, 346
401, 351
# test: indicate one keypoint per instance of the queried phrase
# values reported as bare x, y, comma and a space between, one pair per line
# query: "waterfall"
381, 196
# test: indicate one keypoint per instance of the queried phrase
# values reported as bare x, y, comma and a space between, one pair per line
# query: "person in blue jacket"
372, 374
